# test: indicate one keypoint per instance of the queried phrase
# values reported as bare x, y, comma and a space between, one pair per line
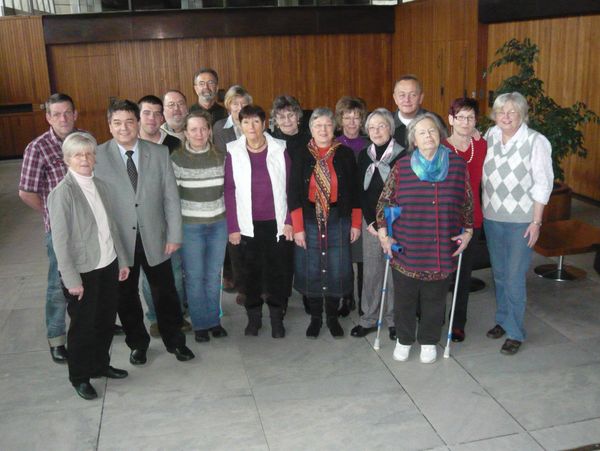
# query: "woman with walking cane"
374, 165
431, 184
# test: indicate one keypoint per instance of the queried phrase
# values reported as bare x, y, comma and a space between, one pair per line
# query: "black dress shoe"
314, 328
118, 330
218, 331
85, 390
59, 354
115, 373
458, 335
138, 356
182, 353
359, 331
334, 327
392, 331
201, 336
495, 332
510, 347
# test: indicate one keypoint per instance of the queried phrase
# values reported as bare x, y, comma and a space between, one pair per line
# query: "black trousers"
429, 298
164, 296
92, 323
464, 282
263, 258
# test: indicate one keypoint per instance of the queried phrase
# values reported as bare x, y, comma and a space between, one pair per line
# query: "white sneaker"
401, 352
428, 353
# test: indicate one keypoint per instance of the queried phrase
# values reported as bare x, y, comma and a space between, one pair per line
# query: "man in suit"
148, 215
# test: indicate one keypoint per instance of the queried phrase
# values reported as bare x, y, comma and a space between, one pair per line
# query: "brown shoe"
495, 332
154, 332
510, 347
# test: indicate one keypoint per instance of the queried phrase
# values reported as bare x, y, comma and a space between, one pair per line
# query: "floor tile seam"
262, 425
571, 423
101, 415
498, 403
411, 398
480, 440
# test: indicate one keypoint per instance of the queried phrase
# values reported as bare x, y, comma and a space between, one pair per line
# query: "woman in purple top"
350, 115
258, 222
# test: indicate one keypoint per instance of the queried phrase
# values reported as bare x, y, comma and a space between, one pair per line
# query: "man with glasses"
43, 168
175, 111
206, 85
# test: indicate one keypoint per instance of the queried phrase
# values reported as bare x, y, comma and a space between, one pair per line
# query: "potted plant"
561, 125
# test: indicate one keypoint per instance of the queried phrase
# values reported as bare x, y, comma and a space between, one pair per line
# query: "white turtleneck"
107, 247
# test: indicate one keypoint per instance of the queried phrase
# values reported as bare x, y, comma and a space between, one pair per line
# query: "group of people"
200, 198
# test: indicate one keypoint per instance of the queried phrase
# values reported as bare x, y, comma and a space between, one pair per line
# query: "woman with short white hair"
374, 165
91, 262
517, 183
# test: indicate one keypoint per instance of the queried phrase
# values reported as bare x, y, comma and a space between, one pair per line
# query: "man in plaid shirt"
43, 168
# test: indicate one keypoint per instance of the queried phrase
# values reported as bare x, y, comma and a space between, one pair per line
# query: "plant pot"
559, 205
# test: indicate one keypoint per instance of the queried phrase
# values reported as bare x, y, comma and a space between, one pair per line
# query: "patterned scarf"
382, 164
322, 181
435, 170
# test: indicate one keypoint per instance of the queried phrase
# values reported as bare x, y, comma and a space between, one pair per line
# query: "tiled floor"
298, 394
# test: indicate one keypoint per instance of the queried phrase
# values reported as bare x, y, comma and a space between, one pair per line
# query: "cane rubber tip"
376, 346
446, 355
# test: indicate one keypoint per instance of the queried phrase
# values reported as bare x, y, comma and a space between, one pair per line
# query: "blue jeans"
56, 303
177, 275
203, 252
510, 257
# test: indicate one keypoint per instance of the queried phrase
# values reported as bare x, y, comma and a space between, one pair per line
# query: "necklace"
472, 146
260, 146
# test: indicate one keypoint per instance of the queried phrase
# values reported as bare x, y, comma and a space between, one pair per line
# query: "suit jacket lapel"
143, 161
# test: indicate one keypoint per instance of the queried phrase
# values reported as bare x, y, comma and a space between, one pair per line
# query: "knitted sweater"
200, 181
516, 175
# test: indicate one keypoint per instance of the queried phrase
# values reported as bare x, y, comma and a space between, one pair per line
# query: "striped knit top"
432, 213
200, 179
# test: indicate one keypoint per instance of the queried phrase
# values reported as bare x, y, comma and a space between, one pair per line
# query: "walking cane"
391, 214
447, 350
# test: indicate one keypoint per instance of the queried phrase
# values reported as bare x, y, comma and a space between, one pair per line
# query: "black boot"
254, 321
332, 318
348, 304
315, 306
306, 305
277, 329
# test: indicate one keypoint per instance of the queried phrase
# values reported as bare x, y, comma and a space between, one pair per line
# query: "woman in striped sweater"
432, 187
199, 170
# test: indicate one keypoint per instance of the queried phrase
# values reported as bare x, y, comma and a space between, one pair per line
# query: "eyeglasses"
286, 117
465, 118
511, 113
173, 105
379, 128
210, 83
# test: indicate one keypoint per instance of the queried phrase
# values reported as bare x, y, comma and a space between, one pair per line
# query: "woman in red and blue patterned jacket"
431, 184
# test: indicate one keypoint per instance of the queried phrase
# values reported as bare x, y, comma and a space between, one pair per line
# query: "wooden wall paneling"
16, 131
568, 65
23, 59
89, 74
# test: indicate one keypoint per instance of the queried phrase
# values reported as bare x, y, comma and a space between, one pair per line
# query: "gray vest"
507, 181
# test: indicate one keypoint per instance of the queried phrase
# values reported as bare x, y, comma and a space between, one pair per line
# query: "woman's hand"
354, 234
532, 234
476, 135
171, 247
300, 239
464, 239
123, 273
235, 238
288, 232
77, 291
372, 230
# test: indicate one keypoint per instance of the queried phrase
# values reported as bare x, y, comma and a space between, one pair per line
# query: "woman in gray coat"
91, 263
